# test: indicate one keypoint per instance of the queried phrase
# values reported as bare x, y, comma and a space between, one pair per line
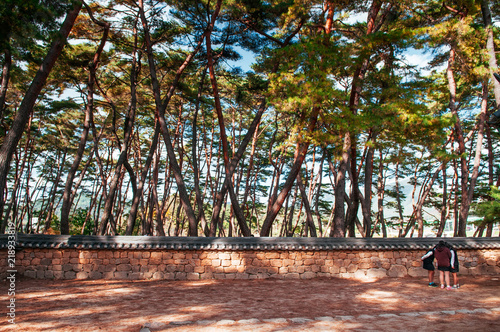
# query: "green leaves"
489, 210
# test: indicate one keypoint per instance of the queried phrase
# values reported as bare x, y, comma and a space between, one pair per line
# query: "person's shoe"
442, 286
432, 284
449, 288
457, 286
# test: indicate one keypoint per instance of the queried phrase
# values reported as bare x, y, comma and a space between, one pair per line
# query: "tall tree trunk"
417, 209
53, 194
225, 146
68, 194
456, 193
318, 194
196, 172
464, 168
300, 155
366, 200
355, 96
160, 110
307, 206
380, 195
160, 231
290, 229
398, 200
234, 162
122, 159
444, 208
18, 126
138, 193
490, 46
339, 220
467, 195
250, 166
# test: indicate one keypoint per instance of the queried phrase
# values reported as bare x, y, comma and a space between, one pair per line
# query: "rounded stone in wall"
417, 272
376, 273
397, 271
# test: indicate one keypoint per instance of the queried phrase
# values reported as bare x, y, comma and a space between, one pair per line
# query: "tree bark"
357, 86
138, 193
234, 162
225, 147
444, 202
417, 209
381, 195
464, 168
318, 195
307, 206
467, 195
250, 165
366, 200
398, 199
122, 159
339, 218
196, 172
160, 110
52, 195
490, 46
300, 155
68, 194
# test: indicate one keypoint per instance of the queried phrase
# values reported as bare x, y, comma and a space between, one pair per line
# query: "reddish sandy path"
254, 305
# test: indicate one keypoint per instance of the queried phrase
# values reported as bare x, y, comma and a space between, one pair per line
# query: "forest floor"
391, 304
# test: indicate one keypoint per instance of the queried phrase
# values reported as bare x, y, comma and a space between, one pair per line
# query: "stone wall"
193, 258
145, 264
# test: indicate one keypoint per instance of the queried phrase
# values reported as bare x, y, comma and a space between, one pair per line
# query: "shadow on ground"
390, 304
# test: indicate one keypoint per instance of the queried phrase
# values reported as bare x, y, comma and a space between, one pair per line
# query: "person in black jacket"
454, 266
428, 264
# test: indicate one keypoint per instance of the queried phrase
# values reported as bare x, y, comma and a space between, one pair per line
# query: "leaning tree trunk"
138, 193
300, 155
417, 209
467, 195
52, 196
196, 172
139, 188
250, 167
122, 159
68, 193
307, 207
21, 119
464, 168
490, 46
366, 200
225, 147
160, 112
234, 162
354, 99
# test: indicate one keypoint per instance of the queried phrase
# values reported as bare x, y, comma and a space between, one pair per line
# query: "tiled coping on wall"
192, 258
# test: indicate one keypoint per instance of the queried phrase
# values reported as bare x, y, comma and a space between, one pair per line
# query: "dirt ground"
391, 304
